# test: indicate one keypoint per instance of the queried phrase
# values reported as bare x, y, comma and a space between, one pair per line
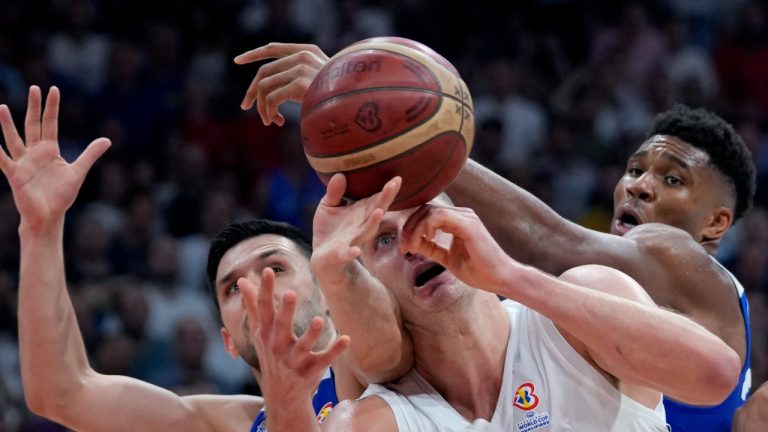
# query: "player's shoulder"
658, 233
370, 413
608, 280
670, 251
669, 244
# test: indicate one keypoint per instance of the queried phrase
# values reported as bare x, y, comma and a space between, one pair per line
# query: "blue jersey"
323, 401
718, 418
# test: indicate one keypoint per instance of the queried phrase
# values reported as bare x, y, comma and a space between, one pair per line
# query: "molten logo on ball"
351, 67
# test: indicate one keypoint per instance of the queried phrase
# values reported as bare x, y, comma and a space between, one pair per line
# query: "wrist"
52, 227
290, 401
515, 280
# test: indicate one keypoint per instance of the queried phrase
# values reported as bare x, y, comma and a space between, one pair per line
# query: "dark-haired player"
682, 190
59, 382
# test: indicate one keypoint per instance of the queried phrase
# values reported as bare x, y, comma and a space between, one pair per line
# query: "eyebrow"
676, 160
260, 257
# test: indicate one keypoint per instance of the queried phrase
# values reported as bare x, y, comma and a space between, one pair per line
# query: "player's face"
667, 181
248, 259
418, 284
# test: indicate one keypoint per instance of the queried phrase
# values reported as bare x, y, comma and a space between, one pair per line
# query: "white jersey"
547, 386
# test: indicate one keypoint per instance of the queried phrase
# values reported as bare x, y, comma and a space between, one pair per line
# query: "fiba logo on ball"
368, 117
386, 107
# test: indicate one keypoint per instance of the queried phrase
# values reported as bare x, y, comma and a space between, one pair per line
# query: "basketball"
386, 107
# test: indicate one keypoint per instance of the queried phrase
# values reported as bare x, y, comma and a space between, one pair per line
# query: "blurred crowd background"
564, 90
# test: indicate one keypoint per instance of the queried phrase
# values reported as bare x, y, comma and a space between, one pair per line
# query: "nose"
641, 187
411, 257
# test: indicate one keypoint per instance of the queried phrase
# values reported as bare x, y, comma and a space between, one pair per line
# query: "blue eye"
384, 240
232, 288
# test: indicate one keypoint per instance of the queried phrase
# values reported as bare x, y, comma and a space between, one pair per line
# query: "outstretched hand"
473, 255
285, 79
44, 185
290, 370
339, 230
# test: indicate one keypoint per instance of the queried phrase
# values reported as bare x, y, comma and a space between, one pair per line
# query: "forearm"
291, 415
634, 341
51, 349
525, 227
381, 349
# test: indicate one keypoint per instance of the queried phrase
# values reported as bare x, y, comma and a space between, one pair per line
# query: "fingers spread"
310, 337
12, 139
388, 193
336, 349
92, 153
334, 192
50, 124
284, 335
265, 302
32, 120
320, 360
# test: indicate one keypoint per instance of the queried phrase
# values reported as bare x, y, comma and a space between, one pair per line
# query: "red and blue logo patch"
525, 398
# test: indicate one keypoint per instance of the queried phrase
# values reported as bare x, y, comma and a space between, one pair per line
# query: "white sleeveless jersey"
547, 386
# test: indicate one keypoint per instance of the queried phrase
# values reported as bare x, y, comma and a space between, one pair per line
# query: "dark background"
564, 91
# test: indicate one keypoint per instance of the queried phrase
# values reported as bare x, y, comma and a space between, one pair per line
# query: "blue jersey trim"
688, 418
323, 401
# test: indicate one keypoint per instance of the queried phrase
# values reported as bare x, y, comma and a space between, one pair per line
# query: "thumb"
337, 185
91, 154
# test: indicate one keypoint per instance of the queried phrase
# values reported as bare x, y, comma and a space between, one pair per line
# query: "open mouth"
428, 274
628, 220
625, 222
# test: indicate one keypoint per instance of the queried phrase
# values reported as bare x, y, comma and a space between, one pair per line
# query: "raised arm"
360, 306
657, 256
620, 328
524, 226
58, 381
289, 370
285, 79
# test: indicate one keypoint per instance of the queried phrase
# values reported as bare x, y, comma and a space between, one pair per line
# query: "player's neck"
711, 245
464, 361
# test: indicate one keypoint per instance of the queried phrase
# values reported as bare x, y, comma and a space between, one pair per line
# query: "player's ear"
229, 343
719, 222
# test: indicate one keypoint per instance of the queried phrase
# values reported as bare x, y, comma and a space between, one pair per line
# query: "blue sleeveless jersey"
718, 418
323, 401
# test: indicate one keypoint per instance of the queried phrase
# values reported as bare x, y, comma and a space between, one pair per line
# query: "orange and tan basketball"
388, 106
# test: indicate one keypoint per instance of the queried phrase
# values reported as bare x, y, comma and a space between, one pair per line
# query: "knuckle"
304, 56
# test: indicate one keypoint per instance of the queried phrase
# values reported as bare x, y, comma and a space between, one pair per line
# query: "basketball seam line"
372, 89
411, 150
389, 137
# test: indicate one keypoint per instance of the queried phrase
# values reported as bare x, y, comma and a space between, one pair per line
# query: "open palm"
339, 230
44, 185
